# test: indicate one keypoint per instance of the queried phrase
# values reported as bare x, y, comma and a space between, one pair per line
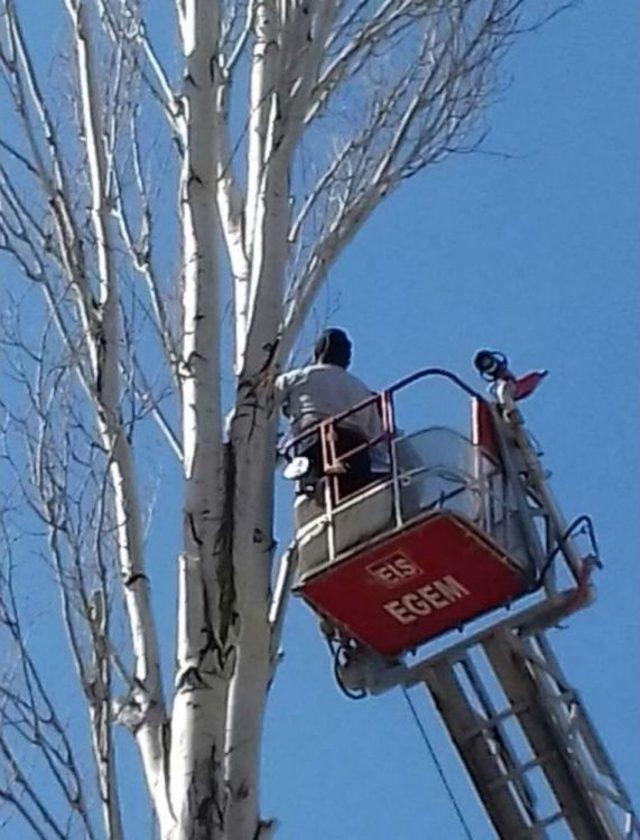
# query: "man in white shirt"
323, 390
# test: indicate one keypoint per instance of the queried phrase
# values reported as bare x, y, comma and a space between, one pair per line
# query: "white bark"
104, 339
283, 74
204, 615
253, 442
100, 712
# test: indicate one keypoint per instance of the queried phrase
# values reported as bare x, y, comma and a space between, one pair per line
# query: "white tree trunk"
104, 339
253, 441
204, 658
253, 429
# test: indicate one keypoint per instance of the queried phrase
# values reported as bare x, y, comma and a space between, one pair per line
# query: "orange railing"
333, 463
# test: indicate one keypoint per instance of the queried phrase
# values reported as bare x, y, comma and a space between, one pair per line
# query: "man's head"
333, 347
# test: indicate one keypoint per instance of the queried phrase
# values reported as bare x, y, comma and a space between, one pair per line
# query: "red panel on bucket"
414, 585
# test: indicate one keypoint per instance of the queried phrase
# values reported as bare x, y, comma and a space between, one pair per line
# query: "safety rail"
324, 431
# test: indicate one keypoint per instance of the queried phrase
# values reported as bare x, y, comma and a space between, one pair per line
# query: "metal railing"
326, 432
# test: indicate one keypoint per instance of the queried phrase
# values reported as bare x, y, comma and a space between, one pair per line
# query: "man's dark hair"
333, 347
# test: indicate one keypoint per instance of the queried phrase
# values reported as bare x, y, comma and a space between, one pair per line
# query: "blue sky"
536, 255
530, 247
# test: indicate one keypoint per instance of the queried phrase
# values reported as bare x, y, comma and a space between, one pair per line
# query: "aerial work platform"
452, 527
445, 569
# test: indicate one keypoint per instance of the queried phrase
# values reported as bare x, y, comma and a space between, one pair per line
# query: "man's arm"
282, 389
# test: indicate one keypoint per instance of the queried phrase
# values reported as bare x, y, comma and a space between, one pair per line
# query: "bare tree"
268, 129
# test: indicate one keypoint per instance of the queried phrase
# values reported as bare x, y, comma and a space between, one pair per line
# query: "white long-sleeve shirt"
317, 392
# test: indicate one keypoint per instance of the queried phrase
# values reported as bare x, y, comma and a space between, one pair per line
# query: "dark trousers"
357, 466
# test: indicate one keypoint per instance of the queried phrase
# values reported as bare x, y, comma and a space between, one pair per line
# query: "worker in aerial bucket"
322, 390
